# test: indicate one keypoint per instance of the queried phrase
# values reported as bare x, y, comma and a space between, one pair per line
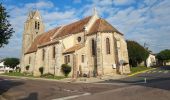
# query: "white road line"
148, 71
71, 97
160, 71
165, 72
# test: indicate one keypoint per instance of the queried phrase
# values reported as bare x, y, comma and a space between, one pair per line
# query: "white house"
3, 68
151, 60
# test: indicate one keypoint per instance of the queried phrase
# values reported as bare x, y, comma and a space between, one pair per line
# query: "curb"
141, 72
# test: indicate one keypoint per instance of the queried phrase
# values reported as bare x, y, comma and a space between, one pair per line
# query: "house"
151, 60
3, 68
92, 46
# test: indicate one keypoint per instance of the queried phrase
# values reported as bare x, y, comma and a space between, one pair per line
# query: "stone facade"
91, 46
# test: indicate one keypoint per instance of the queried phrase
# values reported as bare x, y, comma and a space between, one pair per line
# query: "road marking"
165, 72
148, 71
160, 71
71, 97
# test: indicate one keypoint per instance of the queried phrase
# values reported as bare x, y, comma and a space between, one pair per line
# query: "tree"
66, 69
5, 27
164, 56
11, 62
136, 52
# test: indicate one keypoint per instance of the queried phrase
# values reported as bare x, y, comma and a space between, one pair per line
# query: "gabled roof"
74, 48
102, 25
41, 39
73, 28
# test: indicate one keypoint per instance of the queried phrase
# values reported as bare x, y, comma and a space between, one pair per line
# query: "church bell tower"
32, 27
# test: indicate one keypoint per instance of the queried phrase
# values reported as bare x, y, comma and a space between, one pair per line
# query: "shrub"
66, 69
27, 67
41, 69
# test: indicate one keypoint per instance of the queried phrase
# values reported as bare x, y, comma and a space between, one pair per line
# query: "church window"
43, 54
79, 39
67, 59
93, 46
29, 60
35, 24
54, 52
82, 58
38, 25
107, 46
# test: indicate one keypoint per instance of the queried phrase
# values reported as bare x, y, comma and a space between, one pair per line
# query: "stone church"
91, 46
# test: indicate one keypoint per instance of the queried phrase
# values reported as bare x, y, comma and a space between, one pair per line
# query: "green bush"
41, 69
66, 69
27, 67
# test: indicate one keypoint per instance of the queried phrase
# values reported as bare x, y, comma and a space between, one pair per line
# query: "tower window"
35, 24
93, 46
107, 46
38, 25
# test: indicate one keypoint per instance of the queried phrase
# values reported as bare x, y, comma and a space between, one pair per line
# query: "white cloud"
123, 2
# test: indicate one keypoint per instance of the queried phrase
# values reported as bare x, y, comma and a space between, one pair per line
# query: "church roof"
41, 39
100, 25
74, 48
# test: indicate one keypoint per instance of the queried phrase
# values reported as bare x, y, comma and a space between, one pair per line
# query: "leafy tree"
164, 56
136, 52
66, 69
5, 27
11, 62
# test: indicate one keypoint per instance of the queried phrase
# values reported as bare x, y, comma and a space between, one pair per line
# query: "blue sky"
145, 21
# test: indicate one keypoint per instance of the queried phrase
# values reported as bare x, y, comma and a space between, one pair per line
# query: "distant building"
151, 60
90, 45
3, 68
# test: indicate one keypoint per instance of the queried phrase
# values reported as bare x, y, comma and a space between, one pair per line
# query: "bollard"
145, 80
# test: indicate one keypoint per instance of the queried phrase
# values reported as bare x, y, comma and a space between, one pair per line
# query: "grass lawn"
47, 76
139, 68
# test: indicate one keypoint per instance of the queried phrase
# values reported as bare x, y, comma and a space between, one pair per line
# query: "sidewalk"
94, 79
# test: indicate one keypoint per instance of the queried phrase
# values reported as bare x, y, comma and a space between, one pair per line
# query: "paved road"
156, 87
26, 89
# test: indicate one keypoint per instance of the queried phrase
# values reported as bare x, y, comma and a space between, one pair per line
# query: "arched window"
93, 44
43, 54
35, 24
107, 46
54, 52
38, 25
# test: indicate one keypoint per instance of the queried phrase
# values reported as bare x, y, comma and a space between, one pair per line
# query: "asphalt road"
156, 87
26, 89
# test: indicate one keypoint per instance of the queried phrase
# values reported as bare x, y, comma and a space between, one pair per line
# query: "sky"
144, 21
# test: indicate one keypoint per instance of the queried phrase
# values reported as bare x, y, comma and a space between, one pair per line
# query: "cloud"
123, 2
144, 21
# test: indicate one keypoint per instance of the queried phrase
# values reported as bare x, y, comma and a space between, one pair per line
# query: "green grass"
47, 76
13, 74
139, 68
